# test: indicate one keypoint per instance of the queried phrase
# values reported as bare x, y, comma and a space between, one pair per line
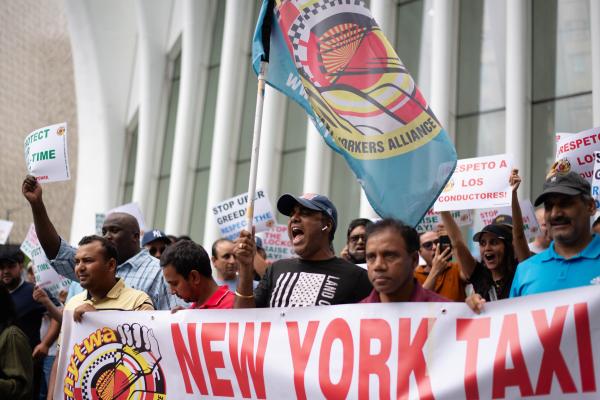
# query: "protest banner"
432, 219
575, 152
480, 182
45, 276
5, 228
230, 214
530, 224
46, 153
277, 243
541, 345
129, 208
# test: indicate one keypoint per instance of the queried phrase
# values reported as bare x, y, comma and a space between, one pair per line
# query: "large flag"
332, 58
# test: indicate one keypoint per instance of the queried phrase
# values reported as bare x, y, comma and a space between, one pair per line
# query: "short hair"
213, 249
408, 233
185, 256
110, 251
358, 222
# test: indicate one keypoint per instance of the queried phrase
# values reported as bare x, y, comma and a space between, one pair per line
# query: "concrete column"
317, 164
595, 36
152, 32
198, 18
443, 69
232, 78
518, 92
271, 143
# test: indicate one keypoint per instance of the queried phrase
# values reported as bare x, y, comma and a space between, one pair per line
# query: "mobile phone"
444, 242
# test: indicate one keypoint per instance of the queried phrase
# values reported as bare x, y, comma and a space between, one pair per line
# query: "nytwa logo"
116, 365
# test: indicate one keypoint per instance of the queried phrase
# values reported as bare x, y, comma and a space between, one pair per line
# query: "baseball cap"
316, 202
153, 235
503, 219
502, 231
570, 184
11, 253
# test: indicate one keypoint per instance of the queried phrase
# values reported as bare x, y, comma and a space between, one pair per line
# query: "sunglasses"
429, 244
356, 238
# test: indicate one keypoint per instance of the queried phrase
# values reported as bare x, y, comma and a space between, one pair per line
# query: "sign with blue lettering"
231, 214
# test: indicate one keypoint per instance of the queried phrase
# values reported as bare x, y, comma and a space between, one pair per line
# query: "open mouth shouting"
297, 235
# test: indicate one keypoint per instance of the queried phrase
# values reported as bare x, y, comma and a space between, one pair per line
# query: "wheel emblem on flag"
355, 82
116, 365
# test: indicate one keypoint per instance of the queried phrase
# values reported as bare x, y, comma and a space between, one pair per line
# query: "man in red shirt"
186, 268
392, 253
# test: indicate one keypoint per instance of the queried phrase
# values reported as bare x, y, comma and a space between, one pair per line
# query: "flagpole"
260, 99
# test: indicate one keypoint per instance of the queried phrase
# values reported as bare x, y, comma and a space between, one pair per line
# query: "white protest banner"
129, 208
596, 180
45, 276
230, 214
5, 228
530, 224
277, 243
575, 152
46, 153
542, 345
432, 219
480, 182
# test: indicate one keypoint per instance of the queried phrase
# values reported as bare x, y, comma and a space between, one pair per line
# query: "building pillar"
198, 23
237, 32
317, 163
518, 88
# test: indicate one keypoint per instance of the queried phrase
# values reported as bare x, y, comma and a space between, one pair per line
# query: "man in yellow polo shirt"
95, 266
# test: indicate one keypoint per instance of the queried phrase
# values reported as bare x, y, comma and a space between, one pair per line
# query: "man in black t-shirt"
317, 277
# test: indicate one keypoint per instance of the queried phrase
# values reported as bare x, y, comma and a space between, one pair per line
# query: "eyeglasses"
429, 244
356, 238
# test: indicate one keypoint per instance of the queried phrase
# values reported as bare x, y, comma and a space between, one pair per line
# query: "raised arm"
522, 251
245, 249
463, 255
46, 233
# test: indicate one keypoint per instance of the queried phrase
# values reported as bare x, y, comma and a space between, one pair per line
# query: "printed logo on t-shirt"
299, 289
595, 281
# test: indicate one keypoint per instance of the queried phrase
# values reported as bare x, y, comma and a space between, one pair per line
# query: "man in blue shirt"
573, 258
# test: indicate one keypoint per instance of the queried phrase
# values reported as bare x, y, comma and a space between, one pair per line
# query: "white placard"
480, 182
230, 214
46, 154
129, 208
277, 243
530, 224
432, 219
575, 152
596, 180
5, 228
45, 276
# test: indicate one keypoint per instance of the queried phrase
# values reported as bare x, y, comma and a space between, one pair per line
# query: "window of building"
127, 190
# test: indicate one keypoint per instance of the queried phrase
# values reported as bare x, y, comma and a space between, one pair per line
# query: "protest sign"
432, 219
541, 345
46, 153
575, 152
480, 182
277, 244
230, 214
100, 217
129, 208
596, 180
45, 276
5, 228
530, 224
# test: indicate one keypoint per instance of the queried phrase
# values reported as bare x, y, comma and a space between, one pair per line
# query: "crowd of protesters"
382, 261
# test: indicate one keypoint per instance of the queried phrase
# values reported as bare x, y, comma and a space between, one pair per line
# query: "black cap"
570, 184
503, 219
11, 253
502, 231
316, 202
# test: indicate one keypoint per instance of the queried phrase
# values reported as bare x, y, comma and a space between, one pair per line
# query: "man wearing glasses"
356, 242
439, 274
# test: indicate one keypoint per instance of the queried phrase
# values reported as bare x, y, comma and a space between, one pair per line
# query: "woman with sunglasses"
501, 248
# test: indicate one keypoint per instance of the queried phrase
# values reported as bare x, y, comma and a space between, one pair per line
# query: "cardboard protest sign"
530, 224
277, 243
480, 182
542, 345
231, 214
46, 153
129, 208
5, 228
432, 219
45, 276
575, 152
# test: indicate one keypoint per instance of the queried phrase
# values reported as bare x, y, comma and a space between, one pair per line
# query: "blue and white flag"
332, 59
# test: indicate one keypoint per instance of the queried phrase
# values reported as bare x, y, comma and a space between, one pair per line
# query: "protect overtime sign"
46, 153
